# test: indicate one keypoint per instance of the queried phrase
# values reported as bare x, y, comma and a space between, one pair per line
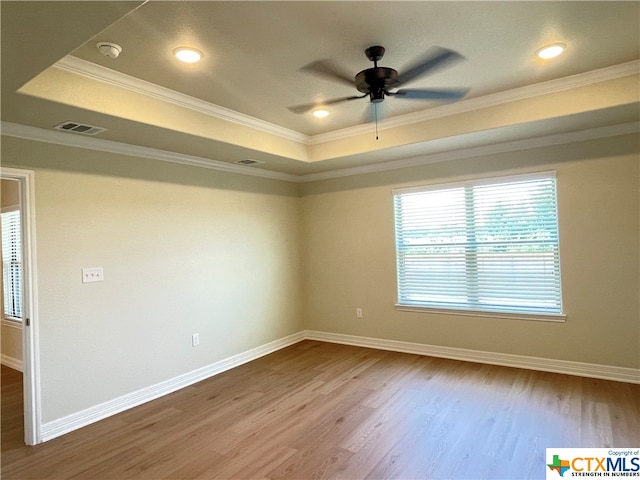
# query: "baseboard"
93, 414
606, 372
11, 362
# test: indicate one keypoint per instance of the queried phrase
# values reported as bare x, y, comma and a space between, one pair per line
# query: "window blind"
482, 246
12, 263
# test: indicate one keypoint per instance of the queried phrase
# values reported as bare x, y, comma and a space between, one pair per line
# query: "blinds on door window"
12, 264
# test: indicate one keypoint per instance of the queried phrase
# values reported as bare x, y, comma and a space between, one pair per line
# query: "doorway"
19, 283
11, 281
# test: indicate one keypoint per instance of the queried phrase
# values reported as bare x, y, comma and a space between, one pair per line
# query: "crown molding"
491, 149
90, 143
121, 80
543, 88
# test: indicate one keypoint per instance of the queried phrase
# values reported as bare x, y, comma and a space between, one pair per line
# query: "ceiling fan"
380, 82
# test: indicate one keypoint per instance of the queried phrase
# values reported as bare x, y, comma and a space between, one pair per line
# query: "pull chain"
375, 112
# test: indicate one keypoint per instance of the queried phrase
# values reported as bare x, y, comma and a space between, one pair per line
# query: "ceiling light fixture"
188, 54
551, 51
320, 113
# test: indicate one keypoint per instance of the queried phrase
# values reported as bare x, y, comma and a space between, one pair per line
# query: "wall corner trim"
605, 372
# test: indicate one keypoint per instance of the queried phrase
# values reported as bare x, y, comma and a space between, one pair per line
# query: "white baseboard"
98, 412
11, 362
606, 372
93, 414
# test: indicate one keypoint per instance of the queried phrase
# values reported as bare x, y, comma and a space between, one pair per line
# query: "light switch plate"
92, 274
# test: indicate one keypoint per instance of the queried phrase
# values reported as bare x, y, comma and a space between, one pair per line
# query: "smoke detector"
109, 49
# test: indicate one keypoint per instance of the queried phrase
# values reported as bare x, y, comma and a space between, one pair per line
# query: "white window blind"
12, 264
488, 246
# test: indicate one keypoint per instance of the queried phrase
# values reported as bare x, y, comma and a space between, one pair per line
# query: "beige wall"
243, 261
12, 344
349, 257
10, 192
11, 332
184, 251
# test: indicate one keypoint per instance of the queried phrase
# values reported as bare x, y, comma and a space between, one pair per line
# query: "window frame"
462, 310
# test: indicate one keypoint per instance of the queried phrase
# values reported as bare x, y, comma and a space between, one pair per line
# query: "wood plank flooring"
318, 410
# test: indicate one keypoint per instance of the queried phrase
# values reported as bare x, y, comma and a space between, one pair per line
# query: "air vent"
79, 128
248, 161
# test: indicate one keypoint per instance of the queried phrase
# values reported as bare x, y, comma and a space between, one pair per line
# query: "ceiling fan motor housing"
375, 81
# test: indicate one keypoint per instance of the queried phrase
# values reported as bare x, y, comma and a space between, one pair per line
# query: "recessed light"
320, 112
188, 54
551, 51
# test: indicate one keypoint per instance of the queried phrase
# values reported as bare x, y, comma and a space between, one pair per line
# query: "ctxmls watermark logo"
592, 462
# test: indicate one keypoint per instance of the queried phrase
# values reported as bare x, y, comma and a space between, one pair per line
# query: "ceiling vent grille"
248, 161
80, 128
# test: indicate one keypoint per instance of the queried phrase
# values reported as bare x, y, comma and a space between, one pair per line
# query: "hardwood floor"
320, 410
12, 429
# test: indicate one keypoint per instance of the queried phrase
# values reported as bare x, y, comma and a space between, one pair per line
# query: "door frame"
30, 345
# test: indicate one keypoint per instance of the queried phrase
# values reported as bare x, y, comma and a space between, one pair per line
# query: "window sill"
12, 322
541, 317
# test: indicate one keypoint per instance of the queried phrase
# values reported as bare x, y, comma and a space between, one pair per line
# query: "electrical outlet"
93, 274
358, 313
195, 339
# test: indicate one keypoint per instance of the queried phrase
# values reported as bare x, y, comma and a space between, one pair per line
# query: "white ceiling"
233, 104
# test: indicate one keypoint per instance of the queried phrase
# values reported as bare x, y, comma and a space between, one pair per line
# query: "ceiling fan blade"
438, 58
416, 93
328, 69
306, 107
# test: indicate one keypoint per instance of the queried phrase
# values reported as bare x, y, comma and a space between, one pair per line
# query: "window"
12, 264
482, 246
